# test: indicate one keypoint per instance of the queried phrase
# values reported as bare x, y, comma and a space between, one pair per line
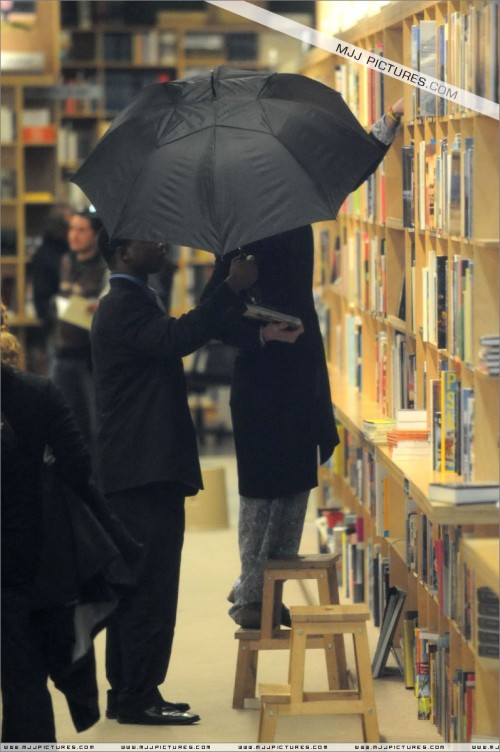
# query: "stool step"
308, 561
274, 692
327, 613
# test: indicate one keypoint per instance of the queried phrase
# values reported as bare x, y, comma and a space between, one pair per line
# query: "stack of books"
482, 492
489, 354
376, 430
488, 641
410, 437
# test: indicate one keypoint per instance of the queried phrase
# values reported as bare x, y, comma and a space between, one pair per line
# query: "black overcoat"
281, 406
63, 550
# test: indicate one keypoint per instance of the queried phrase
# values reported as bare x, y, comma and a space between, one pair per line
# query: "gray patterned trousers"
267, 529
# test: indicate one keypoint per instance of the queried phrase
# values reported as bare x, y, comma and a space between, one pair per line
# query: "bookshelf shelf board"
395, 223
39, 145
351, 407
482, 554
485, 376
491, 243
396, 323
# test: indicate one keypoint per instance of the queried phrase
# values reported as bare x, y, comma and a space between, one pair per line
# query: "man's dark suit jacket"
146, 433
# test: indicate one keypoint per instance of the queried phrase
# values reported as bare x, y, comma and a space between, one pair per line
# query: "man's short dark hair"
108, 248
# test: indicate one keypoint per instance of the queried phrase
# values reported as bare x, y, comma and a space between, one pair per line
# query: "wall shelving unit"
367, 262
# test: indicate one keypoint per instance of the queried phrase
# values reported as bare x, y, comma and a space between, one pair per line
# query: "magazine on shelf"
271, 315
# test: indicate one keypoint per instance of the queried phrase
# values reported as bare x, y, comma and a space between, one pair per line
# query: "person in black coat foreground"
64, 556
281, 407
148, 458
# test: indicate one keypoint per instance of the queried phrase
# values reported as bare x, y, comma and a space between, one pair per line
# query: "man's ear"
122, 252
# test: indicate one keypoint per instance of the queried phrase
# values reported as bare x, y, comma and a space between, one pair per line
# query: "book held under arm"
271, 315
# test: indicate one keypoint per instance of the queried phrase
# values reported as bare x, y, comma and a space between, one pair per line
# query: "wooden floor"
204, 657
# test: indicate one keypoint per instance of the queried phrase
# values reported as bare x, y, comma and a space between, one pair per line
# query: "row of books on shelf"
433, 555
461, 50
351, 80
448, 436
121, 86
403, 373
152, 47
444, 698
364, 278
369, 481
369, 200
452, 414
438, 186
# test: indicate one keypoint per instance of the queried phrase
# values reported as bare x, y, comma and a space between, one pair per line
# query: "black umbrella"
224, 159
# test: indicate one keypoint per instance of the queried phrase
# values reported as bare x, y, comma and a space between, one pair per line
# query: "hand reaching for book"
280, 333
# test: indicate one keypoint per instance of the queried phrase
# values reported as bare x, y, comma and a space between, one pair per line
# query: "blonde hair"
11, 351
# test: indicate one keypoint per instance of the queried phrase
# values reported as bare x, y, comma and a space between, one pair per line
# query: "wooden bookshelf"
369, 261
28, 150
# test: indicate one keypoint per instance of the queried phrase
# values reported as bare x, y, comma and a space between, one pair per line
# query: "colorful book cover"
428, 65
436, 423
442, 302
454, 191
430, 185
423, 691
408, 185
450, 385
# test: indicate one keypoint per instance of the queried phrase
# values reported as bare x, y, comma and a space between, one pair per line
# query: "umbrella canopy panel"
220, 161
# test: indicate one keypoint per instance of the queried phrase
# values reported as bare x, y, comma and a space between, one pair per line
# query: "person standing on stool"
281, 407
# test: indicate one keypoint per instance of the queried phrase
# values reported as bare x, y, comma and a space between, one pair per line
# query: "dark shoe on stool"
249, 616
158, 715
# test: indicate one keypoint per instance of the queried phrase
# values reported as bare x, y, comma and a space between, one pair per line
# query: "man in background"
83, 272
46, 270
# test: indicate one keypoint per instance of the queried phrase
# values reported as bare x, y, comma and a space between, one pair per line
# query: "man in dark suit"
148, 460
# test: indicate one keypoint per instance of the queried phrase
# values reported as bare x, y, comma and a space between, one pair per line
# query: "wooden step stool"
319, 567
290, 699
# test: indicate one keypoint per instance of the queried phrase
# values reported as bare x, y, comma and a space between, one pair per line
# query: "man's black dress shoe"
158, 715
181, 707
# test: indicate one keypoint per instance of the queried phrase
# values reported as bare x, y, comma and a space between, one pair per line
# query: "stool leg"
267, 723
246, 675
297, 662
365, 685
272, 595
336, 663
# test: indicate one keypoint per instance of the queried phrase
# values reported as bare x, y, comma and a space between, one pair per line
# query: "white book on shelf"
465, 493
